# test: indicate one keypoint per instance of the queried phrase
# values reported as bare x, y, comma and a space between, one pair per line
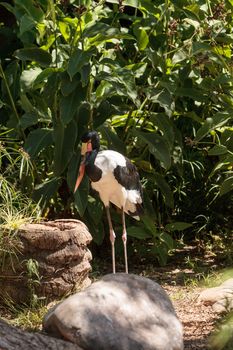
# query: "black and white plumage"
116, 180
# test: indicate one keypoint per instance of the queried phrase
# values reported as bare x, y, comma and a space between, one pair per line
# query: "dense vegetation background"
153, 77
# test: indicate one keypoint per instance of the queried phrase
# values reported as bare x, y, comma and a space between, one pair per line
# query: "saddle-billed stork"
116, 180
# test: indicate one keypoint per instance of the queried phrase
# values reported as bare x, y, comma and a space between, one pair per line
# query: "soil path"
198, 320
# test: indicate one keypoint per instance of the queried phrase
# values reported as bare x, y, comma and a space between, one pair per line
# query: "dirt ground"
184, 285
182, 282
198, 320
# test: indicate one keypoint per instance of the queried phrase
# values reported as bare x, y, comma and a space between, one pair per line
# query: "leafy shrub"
154, 78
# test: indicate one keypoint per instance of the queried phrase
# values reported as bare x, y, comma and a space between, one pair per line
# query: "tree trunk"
12, 338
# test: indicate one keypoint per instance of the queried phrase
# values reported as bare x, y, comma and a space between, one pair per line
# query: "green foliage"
154, 78
15, 208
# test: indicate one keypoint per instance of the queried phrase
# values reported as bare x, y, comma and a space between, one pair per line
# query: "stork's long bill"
86, 147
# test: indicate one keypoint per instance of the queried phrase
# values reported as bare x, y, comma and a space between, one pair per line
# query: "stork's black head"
93, 137
90, 148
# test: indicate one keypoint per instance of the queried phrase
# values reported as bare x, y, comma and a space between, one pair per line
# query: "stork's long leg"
112, 239
124, 239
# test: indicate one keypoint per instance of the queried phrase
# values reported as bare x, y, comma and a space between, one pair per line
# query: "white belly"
110, 190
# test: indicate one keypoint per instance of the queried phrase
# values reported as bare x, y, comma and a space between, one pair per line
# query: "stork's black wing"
128, 176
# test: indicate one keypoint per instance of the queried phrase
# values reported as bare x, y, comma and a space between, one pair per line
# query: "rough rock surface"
12, 338
221, 297
60, 248
118, 312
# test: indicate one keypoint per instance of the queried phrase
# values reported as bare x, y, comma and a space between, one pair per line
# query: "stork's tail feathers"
138, 211
134, 209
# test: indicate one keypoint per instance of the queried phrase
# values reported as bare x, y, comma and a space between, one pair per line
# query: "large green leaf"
26, 23
138, 232
165, 190
64, 140
37, 140
114, 142
226, 186
31, 8
225, 163
68, 85
95, 209
50, 91
217, 150
217, 121
122, 81
101, 33
26, 103
12, 75
83, 115
164, 123
78, 60
103, 112
179, 56
199, 47
72, 171
64, 29
45, 74
96, 28
142, 37
157, 146
138, 69
34, 54
81, 196
46, 190
163, 98
97, 231
227, 138
28, 119
9, 7
28, 77
69, 104
178, 226
193, 93
167, 239
160, 250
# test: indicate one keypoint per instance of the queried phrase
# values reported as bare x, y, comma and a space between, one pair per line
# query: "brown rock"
220, 298
60, 248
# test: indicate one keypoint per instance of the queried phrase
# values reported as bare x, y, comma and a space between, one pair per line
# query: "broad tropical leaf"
157, 146
38, 140
34, 54
64, 139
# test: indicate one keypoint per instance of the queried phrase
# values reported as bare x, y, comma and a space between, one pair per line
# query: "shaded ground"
198, 320
190, 271
180, 278
184, 279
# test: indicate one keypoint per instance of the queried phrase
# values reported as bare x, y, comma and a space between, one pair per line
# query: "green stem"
127, 122
53, 16
209, 7
2, 74
89, 91
81, 32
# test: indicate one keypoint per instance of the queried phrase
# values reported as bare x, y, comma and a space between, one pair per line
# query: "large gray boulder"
119, 312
